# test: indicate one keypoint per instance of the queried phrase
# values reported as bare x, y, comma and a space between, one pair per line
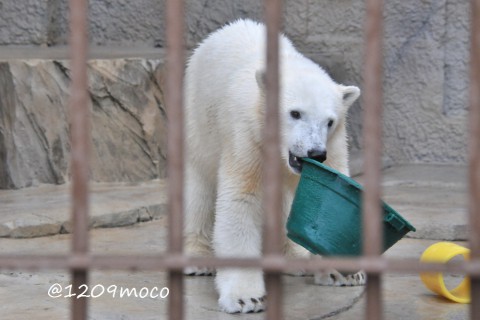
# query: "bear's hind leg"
334, 278
293, 250
199, 215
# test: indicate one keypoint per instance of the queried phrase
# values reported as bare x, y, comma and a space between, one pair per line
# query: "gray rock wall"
425, 81
24, 22
128, 121
426, 72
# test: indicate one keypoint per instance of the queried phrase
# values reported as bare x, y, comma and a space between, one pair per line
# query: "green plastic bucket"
325, 217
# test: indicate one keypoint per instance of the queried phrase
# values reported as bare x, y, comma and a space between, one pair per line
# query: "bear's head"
312, 111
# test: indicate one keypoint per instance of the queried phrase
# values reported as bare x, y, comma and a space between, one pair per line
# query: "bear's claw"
195, 271
335, 278
244, 305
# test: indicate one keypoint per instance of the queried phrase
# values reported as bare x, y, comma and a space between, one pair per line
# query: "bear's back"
222, 68
222, 94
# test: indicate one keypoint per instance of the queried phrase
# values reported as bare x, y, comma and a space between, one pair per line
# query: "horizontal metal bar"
267, 263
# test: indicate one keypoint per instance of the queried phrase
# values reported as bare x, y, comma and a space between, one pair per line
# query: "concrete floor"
431, 197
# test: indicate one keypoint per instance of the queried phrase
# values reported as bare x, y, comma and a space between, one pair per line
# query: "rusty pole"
372, 135
80, 142
175, 145
273, 237
474, 152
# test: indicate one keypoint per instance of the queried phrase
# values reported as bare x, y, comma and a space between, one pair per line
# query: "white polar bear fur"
224, 119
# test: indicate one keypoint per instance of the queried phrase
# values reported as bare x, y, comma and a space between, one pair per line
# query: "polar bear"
225, 109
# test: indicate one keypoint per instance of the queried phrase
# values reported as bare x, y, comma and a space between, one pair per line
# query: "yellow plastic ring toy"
443, 252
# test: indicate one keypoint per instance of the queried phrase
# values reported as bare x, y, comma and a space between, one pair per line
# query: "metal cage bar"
372, 137
268, 263
175, 144
272, 171
80, 141
474, 153
79, 261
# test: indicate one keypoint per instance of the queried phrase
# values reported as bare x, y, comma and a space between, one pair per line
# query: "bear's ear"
349, 95
260, 76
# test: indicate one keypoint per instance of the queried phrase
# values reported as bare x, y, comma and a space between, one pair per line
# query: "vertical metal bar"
474, 153
80, 141
175, 145
273, 237
372, 132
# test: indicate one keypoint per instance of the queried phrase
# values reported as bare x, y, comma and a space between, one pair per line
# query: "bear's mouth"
295, 162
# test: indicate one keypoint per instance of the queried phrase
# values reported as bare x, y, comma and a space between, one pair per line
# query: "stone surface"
457, 51
113, 22
416, 127
432, 198
127, 114
24, 293
303, 299
426, 55
425, 73
45, 210
61, 52
405, 296
24, 22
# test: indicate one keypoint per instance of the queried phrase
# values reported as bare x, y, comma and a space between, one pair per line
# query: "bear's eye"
295, 114
330, 123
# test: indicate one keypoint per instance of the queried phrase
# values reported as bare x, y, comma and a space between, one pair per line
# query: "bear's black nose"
319, 155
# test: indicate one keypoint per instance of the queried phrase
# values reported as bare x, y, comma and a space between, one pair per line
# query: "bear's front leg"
237, 234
